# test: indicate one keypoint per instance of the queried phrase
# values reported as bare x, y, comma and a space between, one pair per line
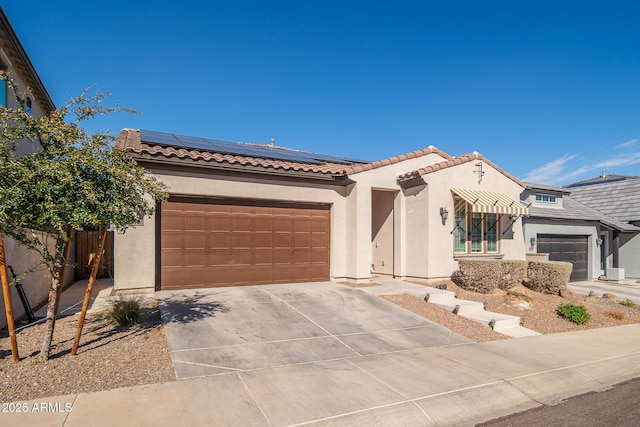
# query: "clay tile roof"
455, 161
129, 140
396, 159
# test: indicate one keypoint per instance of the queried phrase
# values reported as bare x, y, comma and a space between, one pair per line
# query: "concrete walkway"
455, 385
460, 385
72, 298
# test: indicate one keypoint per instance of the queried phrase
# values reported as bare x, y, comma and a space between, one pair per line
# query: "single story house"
242, 214
566, 224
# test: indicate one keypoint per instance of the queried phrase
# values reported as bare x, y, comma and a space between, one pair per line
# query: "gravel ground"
108, 357
465, 327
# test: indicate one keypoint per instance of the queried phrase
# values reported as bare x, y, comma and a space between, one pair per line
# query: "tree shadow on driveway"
188, 308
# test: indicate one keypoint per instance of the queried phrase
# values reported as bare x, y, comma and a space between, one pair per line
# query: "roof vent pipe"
272, 141
604, 174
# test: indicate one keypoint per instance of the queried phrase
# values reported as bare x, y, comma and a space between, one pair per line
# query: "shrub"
485, 275
548, 277
574, 313
512, 272
477, 275
627, 303
126, 311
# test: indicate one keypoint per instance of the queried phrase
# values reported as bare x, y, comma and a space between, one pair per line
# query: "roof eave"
159, 160
19, 50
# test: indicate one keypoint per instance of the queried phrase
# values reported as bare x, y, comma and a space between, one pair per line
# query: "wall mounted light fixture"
444, 213
513, 217
533, 241
598, 241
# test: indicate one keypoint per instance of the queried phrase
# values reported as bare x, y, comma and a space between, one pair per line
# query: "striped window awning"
491, 202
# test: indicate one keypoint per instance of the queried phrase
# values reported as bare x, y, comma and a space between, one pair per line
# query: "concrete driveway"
226, 330
628, 290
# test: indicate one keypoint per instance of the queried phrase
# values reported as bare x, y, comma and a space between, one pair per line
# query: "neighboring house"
618, 197
564, 224
14, 59
242, 214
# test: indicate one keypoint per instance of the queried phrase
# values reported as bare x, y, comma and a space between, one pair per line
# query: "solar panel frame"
160, 138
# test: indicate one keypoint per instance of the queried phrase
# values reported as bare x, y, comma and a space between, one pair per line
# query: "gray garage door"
573, 249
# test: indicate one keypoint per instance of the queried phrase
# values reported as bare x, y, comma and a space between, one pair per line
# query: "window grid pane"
460, 232
492, 233
476, 232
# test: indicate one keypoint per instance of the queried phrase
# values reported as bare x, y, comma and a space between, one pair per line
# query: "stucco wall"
630, 255
35, 284
135, 251
534, 227
440, 241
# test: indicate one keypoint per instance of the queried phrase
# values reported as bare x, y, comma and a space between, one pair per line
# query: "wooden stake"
63, 270
6, 292
87, 295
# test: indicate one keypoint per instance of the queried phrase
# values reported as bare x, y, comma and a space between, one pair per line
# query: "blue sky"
548, 90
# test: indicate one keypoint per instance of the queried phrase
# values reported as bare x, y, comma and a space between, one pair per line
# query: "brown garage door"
210, 243
573, 249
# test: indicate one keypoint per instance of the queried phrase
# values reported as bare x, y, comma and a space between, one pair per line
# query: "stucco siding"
630, 255
440, 242
135, 251
36, 283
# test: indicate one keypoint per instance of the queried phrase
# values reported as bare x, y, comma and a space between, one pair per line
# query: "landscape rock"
520, 292
572, 296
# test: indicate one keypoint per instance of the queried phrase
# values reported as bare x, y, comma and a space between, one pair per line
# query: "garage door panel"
227, 243
262, 257
173, 258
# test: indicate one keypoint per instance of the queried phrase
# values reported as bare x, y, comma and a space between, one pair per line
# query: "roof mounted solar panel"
336, 159
281, 154
159, 138
195, 143
239, 149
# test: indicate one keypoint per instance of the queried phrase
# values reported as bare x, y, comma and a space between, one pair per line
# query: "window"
3, 86
460, 232
481, 230
3, 93
27, 106
546, 198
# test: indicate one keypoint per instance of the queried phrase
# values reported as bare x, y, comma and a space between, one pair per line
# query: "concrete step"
518, 332
502, 321
464, 307
439, 296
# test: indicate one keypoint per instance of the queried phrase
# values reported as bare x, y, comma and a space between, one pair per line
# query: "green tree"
71, 179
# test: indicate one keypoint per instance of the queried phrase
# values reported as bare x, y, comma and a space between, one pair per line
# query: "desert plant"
627, 303
614, 314
574, 313
548, 277
126, 311
485, 275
